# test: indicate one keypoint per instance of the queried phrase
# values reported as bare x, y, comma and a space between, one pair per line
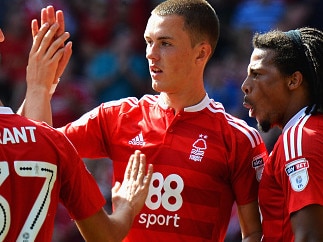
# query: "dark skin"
273, 99
307, 224
270, 96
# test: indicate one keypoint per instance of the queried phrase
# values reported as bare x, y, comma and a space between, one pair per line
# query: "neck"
179, 102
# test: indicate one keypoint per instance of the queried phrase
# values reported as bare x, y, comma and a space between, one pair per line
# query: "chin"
155, 86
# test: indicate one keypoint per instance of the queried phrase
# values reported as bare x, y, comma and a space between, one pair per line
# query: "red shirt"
292, 176
204, 159
38, 169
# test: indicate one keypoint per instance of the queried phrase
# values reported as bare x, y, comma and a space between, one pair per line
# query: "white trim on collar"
294, 119
195, 108
200, 106
6, 110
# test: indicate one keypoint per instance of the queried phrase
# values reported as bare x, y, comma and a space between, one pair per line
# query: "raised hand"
45, 55
134, 188
47, 61
48, 15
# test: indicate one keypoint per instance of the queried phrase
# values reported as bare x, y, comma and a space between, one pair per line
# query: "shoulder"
243, 129
303, 137
131, 102
238, 127
113, 109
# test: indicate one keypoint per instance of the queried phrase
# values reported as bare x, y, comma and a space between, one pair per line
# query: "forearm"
255, 237
37, 105
122, 221
104, 227
250, 224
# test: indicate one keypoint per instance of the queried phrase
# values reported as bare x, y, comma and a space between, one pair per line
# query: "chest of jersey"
191, 182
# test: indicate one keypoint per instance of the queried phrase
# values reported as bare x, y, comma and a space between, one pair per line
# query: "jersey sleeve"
248, 162
79, 193
302, 173
87, 134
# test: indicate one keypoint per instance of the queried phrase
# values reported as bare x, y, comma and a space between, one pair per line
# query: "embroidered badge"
298, 175
258, 165
198, 148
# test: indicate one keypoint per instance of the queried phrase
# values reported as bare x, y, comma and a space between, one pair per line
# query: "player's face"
265, 89
170, 53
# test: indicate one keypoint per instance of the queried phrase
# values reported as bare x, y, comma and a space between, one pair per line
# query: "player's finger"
60, 20
149, 175
64, 60
38, 36
142, 168
116, 187
43, 16
34, 27
48, 38
128, 171
50, 14
57, 44
135, 165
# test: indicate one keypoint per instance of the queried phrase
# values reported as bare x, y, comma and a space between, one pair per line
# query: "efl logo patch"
298, 175
258, 165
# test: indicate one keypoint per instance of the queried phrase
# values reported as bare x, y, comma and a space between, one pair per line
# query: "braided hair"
298, 50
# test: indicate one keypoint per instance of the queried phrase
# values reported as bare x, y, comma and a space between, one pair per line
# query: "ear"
295, 80
204, 52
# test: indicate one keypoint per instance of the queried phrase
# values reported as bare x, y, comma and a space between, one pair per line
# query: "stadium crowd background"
109, 61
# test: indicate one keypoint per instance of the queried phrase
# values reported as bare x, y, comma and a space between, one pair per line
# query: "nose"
1, 36
245, 87
151, 52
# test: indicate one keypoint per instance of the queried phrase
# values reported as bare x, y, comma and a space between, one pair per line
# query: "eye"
254, 74
148, 42
164, 43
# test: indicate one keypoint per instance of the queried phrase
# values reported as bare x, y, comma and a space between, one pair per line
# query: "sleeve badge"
298, 175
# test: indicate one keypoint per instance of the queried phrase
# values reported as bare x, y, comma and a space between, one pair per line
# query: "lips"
155, 69
247, 105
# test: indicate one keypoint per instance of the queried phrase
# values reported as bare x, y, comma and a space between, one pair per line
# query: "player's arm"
250, 224
307, 224
47, 60
128, 199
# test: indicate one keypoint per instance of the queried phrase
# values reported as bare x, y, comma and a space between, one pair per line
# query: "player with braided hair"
284, 88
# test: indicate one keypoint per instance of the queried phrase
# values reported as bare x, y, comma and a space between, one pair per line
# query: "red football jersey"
204, 159
292, 176
38, 168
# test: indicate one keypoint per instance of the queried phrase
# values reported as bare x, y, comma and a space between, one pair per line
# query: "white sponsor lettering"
152, 219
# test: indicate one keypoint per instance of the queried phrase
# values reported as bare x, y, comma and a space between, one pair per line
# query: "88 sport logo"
163, 192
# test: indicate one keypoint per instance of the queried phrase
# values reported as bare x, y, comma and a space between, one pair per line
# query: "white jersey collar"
195, 108
5, 110
295, 119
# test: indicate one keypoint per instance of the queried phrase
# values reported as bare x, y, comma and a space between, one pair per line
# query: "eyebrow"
161, 37
164, 37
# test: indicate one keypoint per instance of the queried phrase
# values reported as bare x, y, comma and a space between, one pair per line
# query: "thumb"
116, 187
